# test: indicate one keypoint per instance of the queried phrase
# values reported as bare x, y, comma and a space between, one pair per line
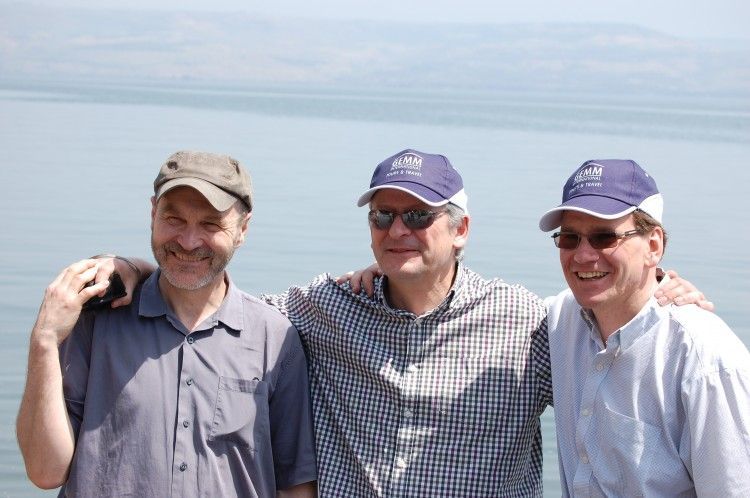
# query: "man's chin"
187, 282
402, 272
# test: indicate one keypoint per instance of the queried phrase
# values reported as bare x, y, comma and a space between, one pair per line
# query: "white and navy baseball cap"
429, 177
607, 189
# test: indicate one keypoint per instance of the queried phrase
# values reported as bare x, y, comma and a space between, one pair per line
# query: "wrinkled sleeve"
75, 359
716, 440
298, 304
540, 351
291, 418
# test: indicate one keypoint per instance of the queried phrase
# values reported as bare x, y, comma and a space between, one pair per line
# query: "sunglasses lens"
382, 220
603, 240
417, 220
567, 240
413, 220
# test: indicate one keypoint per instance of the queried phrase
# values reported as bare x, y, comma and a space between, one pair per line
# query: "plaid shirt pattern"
443, 404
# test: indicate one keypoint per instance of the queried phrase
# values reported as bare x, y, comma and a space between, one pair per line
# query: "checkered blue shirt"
444, 404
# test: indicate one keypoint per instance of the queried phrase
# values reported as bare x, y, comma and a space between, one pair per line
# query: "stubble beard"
176, 275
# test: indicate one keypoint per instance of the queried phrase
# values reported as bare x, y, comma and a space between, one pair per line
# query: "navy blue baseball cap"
429, 177
607, 189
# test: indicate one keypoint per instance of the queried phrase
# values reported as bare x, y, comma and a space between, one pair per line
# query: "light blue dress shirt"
663, 409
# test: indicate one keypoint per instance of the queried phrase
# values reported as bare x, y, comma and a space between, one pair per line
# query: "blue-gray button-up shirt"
661, 409
159, 411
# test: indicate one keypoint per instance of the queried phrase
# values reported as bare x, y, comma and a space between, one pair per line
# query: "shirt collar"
151, 304
629, 333
450, 302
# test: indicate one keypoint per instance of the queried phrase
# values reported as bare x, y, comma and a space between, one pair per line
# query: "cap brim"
422, 193
605, 208
218, 198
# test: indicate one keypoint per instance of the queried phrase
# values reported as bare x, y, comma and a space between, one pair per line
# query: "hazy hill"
83, 44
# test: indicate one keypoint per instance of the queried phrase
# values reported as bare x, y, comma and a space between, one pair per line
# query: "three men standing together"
432, 386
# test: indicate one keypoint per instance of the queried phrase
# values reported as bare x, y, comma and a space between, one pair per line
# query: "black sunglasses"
416, 219
597, 240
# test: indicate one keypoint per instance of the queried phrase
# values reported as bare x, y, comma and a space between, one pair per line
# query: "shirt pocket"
626, 453
241, 413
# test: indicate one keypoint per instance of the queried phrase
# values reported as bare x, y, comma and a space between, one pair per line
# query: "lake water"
78, 162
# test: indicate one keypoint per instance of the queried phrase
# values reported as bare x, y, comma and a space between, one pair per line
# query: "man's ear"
655, 246
153, 210
244, 224
462, 233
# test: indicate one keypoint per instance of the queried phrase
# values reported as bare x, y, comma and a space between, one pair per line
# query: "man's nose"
190, 238
584, 253
398, 229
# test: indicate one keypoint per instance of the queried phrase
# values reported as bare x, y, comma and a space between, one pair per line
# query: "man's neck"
612, 318
194, 306
420, 295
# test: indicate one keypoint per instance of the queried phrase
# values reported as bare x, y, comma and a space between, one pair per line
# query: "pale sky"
684, 18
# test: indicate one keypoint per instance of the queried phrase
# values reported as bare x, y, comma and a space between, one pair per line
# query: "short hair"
242, 211
644, 223
455, 218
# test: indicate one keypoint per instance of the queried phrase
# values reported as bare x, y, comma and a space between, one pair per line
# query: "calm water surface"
78, 163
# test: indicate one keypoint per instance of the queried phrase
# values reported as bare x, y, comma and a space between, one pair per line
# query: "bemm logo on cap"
590, 175
406, 164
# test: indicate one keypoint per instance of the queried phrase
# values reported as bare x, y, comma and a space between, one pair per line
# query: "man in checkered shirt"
433, 386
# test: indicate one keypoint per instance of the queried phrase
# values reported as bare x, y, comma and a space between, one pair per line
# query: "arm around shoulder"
43, 427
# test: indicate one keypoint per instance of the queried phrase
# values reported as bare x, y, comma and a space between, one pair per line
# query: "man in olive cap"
198, 389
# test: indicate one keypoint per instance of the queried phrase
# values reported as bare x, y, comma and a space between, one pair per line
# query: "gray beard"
217, 268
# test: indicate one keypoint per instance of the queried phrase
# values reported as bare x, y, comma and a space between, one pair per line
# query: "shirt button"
190, 339
599, 366
586, 412
408, 413
585, 459
183, 467
412, 368
185, 423
400, 463
189, 382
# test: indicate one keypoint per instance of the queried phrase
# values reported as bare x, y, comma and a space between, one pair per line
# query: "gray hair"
242, 211
455, 218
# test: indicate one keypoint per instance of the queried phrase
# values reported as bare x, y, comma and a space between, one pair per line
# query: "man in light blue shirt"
649, 400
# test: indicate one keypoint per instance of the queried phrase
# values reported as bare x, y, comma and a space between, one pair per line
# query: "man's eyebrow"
215, 218
166, 205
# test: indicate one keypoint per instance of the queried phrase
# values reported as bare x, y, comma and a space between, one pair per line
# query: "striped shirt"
442, 404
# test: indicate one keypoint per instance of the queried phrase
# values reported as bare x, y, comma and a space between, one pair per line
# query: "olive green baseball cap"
221, 179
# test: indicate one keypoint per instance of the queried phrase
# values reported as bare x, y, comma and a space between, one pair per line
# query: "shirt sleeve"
540, 352
75, 359
716, 437
298, 303
291, 418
